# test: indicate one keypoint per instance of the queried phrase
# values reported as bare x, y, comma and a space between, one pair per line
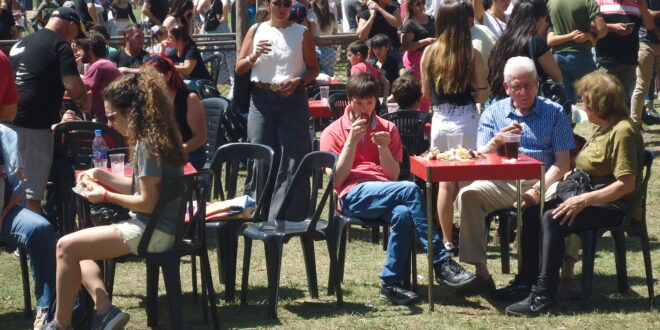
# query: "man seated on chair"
546, 135
370, 152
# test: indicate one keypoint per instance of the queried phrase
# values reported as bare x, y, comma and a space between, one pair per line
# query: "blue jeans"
400, 204
30, 231
573, 66
327, 56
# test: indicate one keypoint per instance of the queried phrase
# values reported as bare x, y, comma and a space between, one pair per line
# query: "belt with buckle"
272, 87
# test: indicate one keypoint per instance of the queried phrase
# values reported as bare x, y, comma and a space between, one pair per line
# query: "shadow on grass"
604, 298
15, 320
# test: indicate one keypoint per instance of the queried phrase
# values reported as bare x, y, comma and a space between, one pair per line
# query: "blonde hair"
143, 100
448, 60
603, 94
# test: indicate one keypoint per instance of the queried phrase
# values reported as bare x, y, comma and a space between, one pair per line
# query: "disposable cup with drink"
325, 93
454, 140
511, 145
117, 163
392, 107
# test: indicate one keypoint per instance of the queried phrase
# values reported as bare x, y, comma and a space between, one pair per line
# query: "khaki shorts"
131, 231
35, 147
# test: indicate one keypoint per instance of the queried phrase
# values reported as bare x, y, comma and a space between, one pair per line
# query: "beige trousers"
648, 57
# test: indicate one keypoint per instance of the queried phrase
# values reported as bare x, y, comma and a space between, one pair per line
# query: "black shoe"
397, 295
650, 117
480, 285
516, 290
451, 274
533, 305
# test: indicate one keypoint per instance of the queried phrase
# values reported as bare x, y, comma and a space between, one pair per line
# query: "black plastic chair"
507, 220
225, 167
215, 61
74, 139
206, 89
25, 276
280, 229
190, 239
214, 108
411, 129
338, 103
634, 227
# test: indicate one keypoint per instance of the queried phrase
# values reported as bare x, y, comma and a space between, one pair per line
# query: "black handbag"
574, 184
107, 213
211, 21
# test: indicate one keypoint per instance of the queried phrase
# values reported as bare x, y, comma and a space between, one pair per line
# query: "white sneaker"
40, 320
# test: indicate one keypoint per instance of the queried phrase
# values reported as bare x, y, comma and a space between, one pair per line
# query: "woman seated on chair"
185, 53
137, 107
613, 154
188, 110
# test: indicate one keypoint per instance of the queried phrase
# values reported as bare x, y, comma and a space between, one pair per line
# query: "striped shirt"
545, 132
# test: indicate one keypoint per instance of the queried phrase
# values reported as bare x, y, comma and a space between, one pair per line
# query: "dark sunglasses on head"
285, 4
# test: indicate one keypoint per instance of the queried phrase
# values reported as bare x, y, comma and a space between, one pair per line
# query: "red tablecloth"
128, 170
319, 109
489, 168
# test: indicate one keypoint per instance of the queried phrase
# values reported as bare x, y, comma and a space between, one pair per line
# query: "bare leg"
447, 192
96, 243
482, 270
92, 280
568, 267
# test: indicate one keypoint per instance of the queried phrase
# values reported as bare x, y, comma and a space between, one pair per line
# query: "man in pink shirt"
101, 72
370, 152
8, 92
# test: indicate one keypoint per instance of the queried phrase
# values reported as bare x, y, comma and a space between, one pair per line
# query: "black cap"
68, 14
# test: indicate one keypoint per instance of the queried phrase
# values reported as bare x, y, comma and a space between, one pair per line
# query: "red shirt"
366, 165
99, 75
366, 67
8, 93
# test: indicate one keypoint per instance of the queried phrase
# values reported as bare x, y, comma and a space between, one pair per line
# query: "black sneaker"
480, 285
650, 117
533, 305
451, 274
516, 290
397, 295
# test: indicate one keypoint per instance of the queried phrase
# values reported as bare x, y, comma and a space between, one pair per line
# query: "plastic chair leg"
247, 253
208, 285
619, 242
375, 235
109, 276
386, 237
646, 251
310, 265
588, 255
193, 271
170, 262
152, 292
25, 274
504, 230
341, 259
230, 263
273, 249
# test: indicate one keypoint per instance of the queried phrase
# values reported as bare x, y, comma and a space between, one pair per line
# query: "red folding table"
490, 167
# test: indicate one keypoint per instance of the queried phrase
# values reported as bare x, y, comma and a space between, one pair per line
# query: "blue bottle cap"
97, 132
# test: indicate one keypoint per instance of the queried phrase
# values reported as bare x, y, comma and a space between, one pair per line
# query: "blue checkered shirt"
546, 129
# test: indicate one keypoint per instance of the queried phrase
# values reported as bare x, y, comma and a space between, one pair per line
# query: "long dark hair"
513, 42
323, 14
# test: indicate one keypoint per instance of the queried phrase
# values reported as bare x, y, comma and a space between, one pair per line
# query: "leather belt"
271, 87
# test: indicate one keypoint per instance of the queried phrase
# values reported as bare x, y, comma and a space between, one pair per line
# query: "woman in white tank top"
282, 58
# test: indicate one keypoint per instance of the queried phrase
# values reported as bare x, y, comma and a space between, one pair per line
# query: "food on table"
459, 153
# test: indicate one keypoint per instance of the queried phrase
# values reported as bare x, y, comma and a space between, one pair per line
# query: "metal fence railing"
331, 51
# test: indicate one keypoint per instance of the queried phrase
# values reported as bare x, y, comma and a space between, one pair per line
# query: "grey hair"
518, 64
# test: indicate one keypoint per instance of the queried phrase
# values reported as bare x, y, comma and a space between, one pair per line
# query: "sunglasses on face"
420, 3
285, 4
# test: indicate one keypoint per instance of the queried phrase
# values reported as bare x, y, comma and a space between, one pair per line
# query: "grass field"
363, 308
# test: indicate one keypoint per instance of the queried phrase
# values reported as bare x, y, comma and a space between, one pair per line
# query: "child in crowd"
391, 67
407, 92
357, 55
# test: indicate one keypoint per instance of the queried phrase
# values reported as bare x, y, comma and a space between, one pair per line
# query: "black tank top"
181, 112
463, 98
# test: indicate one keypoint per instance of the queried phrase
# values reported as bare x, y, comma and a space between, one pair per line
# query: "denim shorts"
131, 231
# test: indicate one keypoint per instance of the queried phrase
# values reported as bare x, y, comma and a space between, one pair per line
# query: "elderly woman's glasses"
285, 4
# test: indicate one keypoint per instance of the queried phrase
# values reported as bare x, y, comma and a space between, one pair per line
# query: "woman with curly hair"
453, 77
138, 107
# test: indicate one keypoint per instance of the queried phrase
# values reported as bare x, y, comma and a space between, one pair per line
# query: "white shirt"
285, 59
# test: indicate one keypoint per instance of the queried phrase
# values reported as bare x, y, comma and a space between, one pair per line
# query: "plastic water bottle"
99, 150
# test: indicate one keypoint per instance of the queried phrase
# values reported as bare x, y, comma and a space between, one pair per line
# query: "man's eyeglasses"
527, 87
285, 4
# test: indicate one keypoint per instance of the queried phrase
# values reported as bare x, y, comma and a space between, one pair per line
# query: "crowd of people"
476, 65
